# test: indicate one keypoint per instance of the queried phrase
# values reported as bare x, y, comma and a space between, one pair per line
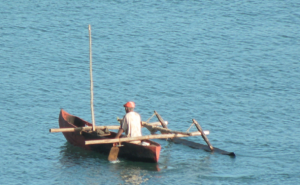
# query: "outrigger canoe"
130, 151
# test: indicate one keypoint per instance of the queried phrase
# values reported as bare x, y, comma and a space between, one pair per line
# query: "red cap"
129, 104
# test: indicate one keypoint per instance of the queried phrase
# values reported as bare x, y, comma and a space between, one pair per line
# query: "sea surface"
231, 65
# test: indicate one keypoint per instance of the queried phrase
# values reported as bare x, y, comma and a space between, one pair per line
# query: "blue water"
231, 65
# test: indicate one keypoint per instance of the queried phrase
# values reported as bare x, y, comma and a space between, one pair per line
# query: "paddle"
113, 154
114, 151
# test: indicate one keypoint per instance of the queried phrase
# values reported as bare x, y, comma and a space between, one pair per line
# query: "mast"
91, 77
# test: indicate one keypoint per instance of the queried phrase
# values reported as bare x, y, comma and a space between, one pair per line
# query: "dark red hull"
129, 151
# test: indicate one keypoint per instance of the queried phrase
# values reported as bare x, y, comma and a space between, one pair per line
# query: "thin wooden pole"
91, 76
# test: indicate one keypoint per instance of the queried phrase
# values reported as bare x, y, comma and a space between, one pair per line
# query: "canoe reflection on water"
134, 176
72, 155
132, 172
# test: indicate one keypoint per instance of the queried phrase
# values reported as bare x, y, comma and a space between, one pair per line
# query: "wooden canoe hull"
129, 151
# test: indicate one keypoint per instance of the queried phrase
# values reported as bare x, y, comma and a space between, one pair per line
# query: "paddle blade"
113, 154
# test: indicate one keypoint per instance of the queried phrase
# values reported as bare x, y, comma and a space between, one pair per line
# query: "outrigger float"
86, 135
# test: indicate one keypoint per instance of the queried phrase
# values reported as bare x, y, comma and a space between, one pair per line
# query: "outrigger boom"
90, 128
158, 136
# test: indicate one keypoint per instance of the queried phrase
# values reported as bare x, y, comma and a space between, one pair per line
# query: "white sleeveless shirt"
131, 124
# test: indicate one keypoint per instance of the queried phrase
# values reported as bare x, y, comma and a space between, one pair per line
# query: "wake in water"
116, 161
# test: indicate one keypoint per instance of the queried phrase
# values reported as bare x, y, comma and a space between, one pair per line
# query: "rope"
150, 118
189, 128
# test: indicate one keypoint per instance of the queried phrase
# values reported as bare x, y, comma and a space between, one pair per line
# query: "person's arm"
119, 133
141, 121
